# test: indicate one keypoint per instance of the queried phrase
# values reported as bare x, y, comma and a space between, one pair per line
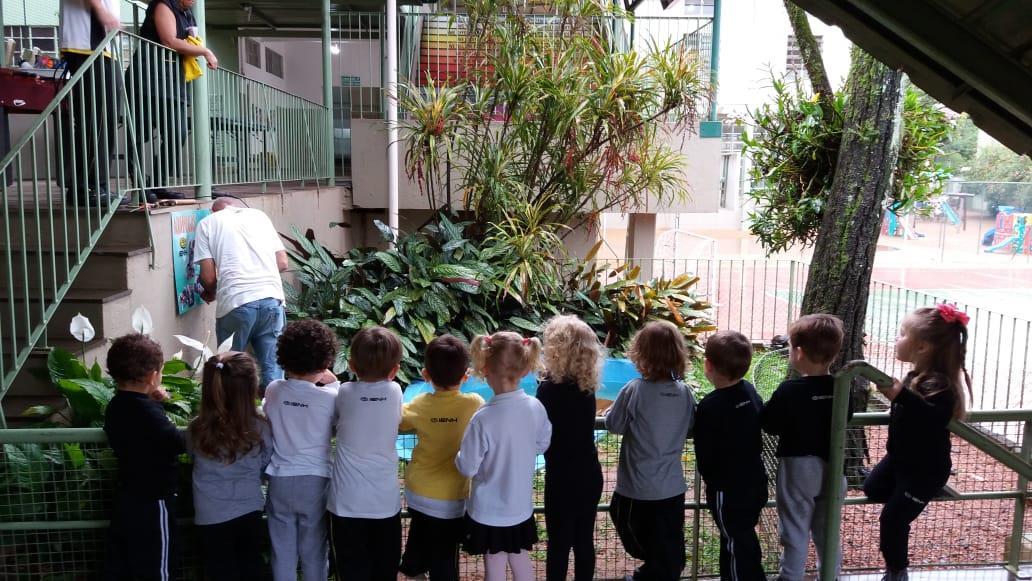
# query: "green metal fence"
60, 187
56, 488
261, 134
761, 297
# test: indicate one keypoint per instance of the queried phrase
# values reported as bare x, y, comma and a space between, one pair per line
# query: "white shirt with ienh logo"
365, 466
301, 414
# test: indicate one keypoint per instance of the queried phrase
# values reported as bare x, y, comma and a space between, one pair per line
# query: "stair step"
74, 295
105, 267
121, 250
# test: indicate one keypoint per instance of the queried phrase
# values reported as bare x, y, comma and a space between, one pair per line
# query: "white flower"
82, 329
142, 321
195, 344
178, 355
190, 342
225, 345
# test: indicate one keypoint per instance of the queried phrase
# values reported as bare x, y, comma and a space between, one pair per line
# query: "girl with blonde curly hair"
573, 476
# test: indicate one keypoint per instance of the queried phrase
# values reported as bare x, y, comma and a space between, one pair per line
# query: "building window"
28, 37
794, 58
253, 53
273, 62
698, 8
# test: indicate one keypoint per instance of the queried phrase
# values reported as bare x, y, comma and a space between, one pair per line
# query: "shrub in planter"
437, 280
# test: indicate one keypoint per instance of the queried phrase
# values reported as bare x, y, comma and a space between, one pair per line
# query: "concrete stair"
101, 291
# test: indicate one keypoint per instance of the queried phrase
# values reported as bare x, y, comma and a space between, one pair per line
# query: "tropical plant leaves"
484, 289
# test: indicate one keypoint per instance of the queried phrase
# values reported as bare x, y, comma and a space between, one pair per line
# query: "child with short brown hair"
142, 538
799, 413
364, 500
498, 452
655, 415
434, 490
728, 447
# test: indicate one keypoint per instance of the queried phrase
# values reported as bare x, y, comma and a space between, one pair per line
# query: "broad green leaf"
74, 454
525, 324
64, 365
389, 260
426, 329
174, 366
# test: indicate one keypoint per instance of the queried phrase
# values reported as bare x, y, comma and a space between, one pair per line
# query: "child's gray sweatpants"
297, 527
802, 510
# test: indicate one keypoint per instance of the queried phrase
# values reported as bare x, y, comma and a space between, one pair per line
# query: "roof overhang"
974, 56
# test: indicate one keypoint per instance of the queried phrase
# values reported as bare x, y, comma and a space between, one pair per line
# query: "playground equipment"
1012, 233
895, 225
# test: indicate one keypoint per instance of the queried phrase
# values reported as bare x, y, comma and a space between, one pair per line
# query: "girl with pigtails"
917, 463
231, 443
498, 453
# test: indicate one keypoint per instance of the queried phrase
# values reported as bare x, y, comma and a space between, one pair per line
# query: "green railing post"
1018, 527
201, 118
327, 74
836, 459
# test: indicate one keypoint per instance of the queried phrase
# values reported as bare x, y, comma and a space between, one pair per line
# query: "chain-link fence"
56, 488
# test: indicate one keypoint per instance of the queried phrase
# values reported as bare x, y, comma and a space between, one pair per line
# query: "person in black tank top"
159, 92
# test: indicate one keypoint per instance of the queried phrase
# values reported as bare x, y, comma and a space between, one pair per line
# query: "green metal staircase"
47, 235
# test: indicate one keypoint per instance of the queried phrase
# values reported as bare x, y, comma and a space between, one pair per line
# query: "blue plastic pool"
615, 374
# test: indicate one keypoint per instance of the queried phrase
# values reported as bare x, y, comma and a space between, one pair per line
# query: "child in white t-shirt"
498, 452
365, 500
301, 413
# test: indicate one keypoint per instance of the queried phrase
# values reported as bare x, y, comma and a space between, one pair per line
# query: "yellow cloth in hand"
191, 68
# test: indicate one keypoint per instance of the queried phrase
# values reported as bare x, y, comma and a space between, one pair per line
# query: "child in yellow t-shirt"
434, 490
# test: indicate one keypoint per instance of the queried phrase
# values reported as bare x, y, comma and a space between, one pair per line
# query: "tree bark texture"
810, 52
840, 271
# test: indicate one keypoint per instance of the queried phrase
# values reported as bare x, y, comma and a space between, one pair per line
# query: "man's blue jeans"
258, 324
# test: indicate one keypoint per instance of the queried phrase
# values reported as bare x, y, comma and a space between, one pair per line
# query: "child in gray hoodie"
655, 415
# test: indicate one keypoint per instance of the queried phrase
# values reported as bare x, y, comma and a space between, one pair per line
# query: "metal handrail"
1019, 463
844, 378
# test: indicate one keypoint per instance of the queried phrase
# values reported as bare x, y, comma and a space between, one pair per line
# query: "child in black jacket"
142, 536
728, 447
917, 463
799, 413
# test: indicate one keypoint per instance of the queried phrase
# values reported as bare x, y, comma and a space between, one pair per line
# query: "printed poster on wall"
187, 288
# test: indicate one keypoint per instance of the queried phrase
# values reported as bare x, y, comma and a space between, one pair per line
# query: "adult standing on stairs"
241, 257
159, 91
87, 122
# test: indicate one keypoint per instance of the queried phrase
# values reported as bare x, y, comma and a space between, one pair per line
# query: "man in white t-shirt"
241, 257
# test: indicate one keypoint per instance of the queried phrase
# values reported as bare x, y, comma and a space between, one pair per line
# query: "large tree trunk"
840, 271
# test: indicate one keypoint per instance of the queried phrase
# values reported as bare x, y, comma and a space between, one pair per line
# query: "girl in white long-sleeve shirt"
498, 452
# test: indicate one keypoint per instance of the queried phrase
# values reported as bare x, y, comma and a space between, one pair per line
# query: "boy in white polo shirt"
364, 500
301, 413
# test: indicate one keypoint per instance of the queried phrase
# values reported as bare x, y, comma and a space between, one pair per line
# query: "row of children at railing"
470, 481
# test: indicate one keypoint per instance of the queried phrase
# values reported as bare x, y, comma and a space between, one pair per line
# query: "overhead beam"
943, 58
